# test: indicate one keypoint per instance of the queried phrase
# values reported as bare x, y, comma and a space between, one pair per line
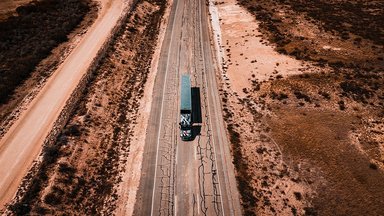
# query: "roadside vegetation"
80, 173
311, 143
8, 7
353, 26
29, 37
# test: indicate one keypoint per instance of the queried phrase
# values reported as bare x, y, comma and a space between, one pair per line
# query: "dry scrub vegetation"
32, 45
79, 174
29, 37
313, 144
8, 7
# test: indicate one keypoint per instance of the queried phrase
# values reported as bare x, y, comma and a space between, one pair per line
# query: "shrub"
341, 105
299, 95
51, 153
73, 130
325, 95
355, 90
282, 96
52, 199
20, 208
310, 211
298, 195
373, 166
66, 168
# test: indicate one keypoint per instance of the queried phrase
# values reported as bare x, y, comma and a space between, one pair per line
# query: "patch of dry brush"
303, 28
29, 37
312, 144
30, 52
80, 172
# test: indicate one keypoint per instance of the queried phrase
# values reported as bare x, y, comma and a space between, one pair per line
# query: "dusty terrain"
29, 57
303, 101
301, 87
47, 113
81, 172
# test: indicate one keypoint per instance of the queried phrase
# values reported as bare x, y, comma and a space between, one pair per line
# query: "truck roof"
185, 101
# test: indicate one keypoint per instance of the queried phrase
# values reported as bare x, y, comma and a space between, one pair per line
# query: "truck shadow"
196, 112
195, 131
196, 105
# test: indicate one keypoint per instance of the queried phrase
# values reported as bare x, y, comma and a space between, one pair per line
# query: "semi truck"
185, 108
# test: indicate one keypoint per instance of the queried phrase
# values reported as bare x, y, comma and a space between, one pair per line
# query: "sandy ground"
23, 142
293, 132
248, 59
244, 51
127, 189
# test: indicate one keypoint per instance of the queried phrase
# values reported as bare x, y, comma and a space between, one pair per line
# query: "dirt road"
186, 178
23, 142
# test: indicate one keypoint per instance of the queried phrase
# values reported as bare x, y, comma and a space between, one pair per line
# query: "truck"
185, 108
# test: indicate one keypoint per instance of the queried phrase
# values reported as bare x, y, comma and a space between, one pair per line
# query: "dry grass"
8, 7
323, 140
29, 37
29, 57
310, 30
311, 144
83, 168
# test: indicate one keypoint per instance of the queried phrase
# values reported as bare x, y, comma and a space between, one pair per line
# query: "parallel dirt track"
302, 100
23, 141
85, 166
32, 48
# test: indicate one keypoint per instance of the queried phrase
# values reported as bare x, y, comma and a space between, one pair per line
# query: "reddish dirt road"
23, 142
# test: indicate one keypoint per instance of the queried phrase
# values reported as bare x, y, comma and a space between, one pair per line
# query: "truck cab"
185, 126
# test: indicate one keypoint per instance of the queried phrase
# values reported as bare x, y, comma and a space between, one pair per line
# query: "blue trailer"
185, 108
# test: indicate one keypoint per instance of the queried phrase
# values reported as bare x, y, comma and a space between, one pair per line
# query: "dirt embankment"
307, 138
34, 41
80, 173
